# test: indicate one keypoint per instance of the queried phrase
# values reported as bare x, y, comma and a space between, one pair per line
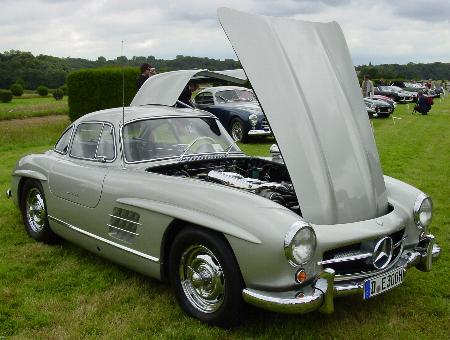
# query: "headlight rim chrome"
253, 120
417, 210
289, 238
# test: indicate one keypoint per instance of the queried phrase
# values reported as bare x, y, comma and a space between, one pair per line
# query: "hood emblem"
382, 253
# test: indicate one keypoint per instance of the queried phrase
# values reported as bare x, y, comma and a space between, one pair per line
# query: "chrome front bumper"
259, 132
320, 294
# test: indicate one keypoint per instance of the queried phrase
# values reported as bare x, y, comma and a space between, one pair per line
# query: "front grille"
356, 259
265, 124
384, 109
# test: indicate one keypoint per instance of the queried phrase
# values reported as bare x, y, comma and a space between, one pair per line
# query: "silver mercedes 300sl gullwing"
165, 191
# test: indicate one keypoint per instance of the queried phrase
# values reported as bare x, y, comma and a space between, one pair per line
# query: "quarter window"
63, 143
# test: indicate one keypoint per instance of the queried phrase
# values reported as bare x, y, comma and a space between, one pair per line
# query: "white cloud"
378, 31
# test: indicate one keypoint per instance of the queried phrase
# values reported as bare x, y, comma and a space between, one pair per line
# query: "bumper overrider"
320, 294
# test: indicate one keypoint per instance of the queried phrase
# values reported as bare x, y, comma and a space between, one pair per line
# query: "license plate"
383, 283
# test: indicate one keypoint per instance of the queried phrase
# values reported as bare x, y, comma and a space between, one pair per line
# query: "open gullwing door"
165, 88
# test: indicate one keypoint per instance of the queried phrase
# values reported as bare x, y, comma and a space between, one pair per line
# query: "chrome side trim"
126, 231
101, 239
124, 219
346, 259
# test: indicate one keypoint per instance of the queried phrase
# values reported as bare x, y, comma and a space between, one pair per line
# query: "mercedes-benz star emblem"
382, 253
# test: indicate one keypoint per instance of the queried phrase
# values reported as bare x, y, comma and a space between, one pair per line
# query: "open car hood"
304, 78
165, 88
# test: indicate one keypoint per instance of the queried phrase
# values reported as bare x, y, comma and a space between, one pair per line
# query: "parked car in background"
378, 108
433, 93
165, 191
395, 93
408, 86
237, 109
388, 100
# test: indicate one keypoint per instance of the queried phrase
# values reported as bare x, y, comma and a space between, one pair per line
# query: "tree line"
410, 71
31, 71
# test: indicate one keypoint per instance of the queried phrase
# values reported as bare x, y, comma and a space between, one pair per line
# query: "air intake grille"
124, 225
352, 260
265, 124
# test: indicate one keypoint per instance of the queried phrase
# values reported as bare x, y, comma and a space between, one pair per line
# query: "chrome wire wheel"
202, 278
237, 131
36, 213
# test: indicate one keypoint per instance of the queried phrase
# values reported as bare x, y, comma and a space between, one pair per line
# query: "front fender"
254, 226
30, 174
198, 217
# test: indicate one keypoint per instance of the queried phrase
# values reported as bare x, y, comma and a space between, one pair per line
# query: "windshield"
235, 96
152, 139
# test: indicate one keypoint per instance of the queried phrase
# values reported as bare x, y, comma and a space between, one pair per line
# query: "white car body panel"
304, 78
165, 88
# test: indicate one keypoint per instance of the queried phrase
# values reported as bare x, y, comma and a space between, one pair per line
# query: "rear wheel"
34, 212
206, 277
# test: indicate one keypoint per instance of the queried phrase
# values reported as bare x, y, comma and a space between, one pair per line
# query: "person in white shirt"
367, 87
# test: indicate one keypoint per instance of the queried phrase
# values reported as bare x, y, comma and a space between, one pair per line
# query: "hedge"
16, 89
97, 89
58, 94
5, 96
42, 90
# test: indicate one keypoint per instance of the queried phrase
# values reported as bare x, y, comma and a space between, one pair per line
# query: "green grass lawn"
32, 106
63, 291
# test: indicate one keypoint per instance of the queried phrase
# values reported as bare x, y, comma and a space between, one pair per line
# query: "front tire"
238, 131
206, 277
34, 212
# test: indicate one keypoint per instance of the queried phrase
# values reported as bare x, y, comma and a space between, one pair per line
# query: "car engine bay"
256, 175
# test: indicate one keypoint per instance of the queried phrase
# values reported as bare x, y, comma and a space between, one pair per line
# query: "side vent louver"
124, 225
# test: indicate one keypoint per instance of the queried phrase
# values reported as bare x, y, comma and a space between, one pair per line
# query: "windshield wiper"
189, 146
229, 148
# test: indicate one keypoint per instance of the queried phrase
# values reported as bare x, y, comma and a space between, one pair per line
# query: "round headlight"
253, 119
423, 211
300, 243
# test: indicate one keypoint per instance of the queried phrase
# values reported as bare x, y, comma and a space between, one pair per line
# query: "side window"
208, 98
204, 98
106, 144
85, 141
63, 143
199, 98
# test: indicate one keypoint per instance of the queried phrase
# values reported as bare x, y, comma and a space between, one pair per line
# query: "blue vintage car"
236, 108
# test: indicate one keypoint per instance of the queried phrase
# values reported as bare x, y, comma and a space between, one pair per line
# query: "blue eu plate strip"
367, 289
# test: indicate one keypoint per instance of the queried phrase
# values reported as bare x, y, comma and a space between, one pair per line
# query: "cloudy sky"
380, 31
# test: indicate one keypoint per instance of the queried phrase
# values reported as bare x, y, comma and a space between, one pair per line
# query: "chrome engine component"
259, 176
280, 193
238, 181
233, 179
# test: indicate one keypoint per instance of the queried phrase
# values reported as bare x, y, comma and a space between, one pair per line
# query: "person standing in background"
146, 72
367, 87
